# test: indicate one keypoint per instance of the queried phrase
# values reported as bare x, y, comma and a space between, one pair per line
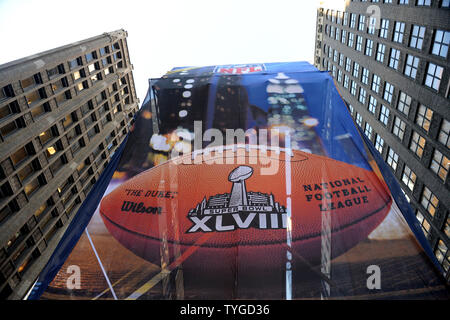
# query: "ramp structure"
244, 182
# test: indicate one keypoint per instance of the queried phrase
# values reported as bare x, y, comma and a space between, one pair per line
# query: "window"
376, 82
368, 130
372, 25
362, 95
434, 76
399, 128
344, 37
369, 47
351, 109
35, 96
381, 48
6, 92
423, 118
384, 28
384, 115
353, 88
63, 97
91, 68
52, 73
96, 77
409, 178
445, 4
417, 36
403, 2
78, 74
348, 64
424, 222
60, 84
362, 22
67, 121
429, 201
447, 227
81, 86
388, 92
40, 110
365, 76
424, 2
359, 41
19, 155
441, 252
31, 187
412, 63
404, 103
52, 150
399, 30
394, 58
417, 144
379, 144
359, 119
26, 172
47, 135
356, 69
89, 57
444, 133
351, 39
12, 126
75, 63
353, 20
31, 81
372, 104
346, 81
339, 76
9, 109
392, 159
441, 43
440, 165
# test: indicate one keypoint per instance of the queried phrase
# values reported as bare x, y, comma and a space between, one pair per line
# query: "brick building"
391, 65
63, 113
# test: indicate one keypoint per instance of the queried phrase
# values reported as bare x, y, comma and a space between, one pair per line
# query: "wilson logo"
133, 207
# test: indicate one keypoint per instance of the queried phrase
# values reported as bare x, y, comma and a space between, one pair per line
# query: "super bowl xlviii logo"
239, 209
240, 69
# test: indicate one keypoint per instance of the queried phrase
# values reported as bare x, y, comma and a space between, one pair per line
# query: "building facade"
63, 113
391, 65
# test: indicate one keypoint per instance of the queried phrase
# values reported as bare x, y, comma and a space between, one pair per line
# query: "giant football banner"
244, 182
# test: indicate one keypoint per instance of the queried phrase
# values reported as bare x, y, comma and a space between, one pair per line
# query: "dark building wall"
63, 113
415, 147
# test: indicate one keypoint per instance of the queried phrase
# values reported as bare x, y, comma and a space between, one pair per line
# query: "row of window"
427, 3
434, 72
60, 84
440, 163
27, 164
424, 114
428, 200
42, 224
34, 100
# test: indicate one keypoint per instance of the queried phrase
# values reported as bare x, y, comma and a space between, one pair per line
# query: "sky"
165, 34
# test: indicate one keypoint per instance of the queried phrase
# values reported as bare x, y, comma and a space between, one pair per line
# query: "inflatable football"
245, 208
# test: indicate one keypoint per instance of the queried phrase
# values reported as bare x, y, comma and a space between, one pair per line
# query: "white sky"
163, 34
